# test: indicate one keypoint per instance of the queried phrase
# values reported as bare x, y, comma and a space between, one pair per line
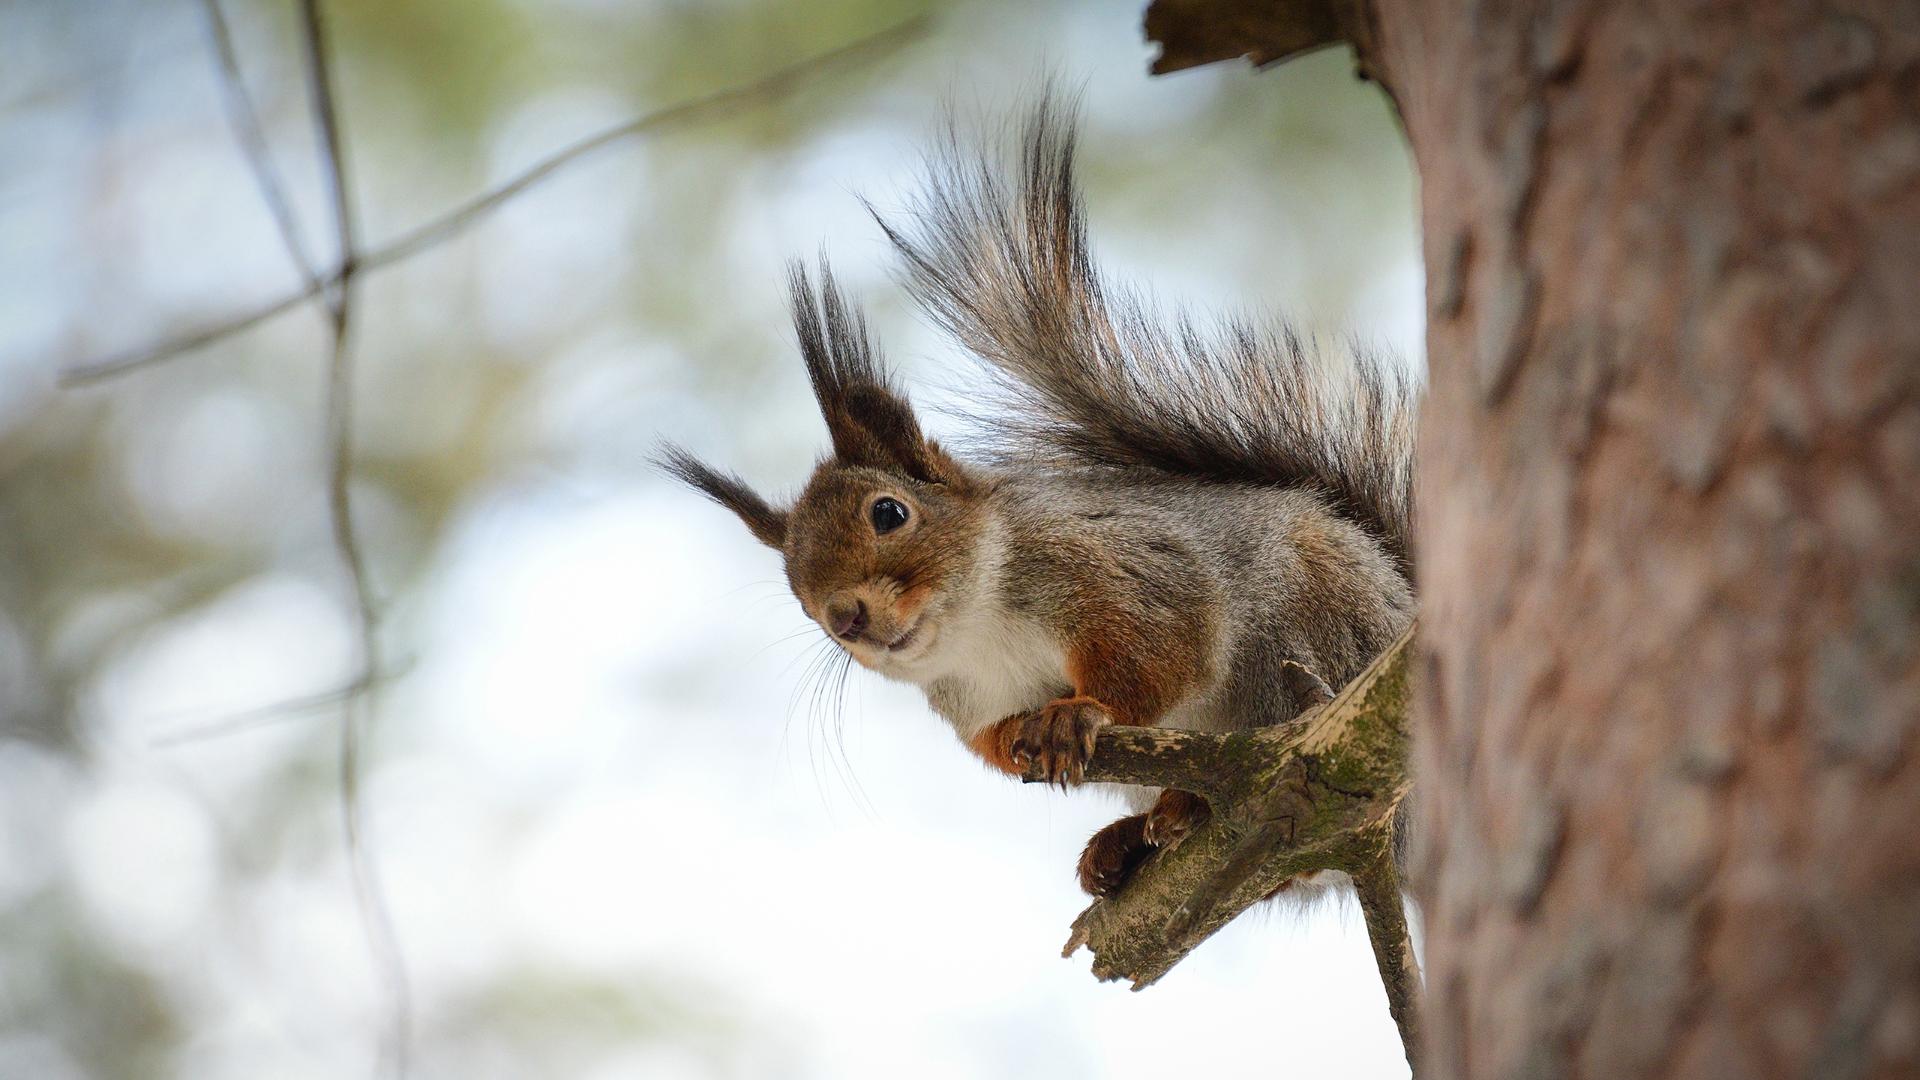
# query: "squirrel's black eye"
888, 515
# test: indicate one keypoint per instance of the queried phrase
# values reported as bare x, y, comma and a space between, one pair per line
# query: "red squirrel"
1167, 515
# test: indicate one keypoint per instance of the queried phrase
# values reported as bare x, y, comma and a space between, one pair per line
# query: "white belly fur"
991, 665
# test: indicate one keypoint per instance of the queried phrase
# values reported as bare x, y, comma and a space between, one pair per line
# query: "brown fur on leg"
995, 743
1176, 814
1112, 854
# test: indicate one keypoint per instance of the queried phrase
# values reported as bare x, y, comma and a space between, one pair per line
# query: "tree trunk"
1666, 778
1669, 497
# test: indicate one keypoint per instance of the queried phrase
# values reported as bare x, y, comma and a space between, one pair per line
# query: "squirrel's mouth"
904, 640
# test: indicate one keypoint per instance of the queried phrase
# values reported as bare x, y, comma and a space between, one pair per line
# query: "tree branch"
245, 118
333, 162
1196, 761
1317, 793
261, 716
430, 234
383, 942
1377, 883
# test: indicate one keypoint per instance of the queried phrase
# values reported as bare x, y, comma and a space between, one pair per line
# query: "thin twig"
333, 161
263, 716
430, 234
244, 115
1376, 880
376, 918
266, 715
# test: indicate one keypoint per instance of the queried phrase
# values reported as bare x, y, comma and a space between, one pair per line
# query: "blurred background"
619, 830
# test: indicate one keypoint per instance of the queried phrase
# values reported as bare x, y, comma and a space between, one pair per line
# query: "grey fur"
1240, 479
1091, 375
1267, 574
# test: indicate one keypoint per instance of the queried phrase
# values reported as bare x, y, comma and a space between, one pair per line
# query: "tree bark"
1665, 762
1670, 483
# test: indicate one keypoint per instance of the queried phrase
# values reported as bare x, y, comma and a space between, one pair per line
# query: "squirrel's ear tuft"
768, 525
869, 420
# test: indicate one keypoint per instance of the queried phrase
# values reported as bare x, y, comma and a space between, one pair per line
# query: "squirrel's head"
880, 543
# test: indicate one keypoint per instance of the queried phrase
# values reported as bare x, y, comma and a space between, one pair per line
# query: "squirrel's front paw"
1059, 738
1112, 854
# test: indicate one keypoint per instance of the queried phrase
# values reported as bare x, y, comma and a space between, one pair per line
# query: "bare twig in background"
327, 122
245, 118
375, 917
713, 107
264, 715
335, 289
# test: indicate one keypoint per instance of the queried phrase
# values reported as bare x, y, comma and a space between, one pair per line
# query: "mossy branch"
1319, 792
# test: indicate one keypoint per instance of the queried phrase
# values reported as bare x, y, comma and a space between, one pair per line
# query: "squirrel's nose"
847, 617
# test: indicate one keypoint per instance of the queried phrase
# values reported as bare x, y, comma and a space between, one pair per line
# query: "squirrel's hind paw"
1112, 854
1115, 852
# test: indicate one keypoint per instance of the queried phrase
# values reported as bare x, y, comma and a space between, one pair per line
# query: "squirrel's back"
1256, 575
1092, 377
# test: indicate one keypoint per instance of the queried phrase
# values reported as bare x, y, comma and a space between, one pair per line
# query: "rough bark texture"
1670, 486
1670, 494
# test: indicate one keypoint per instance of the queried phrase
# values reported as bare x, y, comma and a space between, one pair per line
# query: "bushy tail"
1092, 375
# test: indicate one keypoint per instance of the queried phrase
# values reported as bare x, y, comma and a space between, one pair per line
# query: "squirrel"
1166, 520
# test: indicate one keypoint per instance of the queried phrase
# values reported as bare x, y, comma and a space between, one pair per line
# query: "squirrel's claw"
1173, 816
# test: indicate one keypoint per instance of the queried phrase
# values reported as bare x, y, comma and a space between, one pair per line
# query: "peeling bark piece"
1195, 32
